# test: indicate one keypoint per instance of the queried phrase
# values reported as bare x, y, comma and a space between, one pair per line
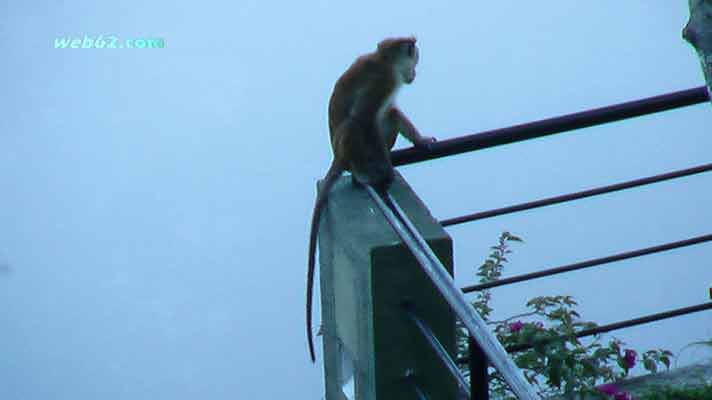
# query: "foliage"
685, 393
557, 363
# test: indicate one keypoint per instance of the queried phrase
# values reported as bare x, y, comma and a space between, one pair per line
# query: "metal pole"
445, 285
589, 263
479, 379
577, 195
439, 350
546, 127
410, 377
628, 323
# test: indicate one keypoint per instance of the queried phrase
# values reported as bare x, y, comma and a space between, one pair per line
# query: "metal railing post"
479, 378
443, 282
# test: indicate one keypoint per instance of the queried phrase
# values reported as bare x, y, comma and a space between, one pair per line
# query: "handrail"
437, 273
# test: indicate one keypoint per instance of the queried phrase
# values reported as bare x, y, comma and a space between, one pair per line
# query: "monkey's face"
402, 54
411, 60
407, 59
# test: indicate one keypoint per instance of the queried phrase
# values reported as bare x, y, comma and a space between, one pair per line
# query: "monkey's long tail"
310, 273
334, 172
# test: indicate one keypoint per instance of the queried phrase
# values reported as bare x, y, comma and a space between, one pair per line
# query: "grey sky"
155, 203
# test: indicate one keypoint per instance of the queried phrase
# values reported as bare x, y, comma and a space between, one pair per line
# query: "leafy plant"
685, 393
557, 362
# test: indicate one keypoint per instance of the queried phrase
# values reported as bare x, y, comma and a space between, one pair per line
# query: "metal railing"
437, 273
485, 350
551, 126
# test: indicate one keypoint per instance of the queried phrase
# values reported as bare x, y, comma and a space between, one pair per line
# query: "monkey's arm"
409, 130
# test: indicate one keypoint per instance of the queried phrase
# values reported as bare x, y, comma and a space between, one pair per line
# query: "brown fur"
364, 125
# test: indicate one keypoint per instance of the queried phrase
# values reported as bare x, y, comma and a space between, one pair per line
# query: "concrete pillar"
365, 274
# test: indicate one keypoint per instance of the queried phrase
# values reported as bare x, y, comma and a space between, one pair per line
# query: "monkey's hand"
425, 142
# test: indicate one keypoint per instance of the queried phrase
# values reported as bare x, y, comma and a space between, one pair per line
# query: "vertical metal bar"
439, 351
479, 379
445, 285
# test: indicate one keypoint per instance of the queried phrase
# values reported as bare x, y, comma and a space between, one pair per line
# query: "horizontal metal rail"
546, 127
589, 263
578, 195
437, 273
616, 325
628, 323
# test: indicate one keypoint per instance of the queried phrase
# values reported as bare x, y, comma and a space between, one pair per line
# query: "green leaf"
650, 365
615, 346
601, 353
665, 360
514, 238
589, 369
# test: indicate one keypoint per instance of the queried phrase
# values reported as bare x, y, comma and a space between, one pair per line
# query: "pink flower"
629, 358
609, 389
516, 326
623, 396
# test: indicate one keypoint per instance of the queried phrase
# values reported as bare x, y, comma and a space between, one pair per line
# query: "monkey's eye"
410, 49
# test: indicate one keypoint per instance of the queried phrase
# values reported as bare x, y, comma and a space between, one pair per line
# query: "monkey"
363, 126
392, 121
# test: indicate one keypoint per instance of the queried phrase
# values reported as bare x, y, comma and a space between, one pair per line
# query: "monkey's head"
402, 54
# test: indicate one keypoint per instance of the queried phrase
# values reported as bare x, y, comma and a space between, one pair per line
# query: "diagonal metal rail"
410, 378
439, 349
437, 273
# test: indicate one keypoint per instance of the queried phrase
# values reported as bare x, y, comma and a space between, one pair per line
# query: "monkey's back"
367, 78
359, 95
